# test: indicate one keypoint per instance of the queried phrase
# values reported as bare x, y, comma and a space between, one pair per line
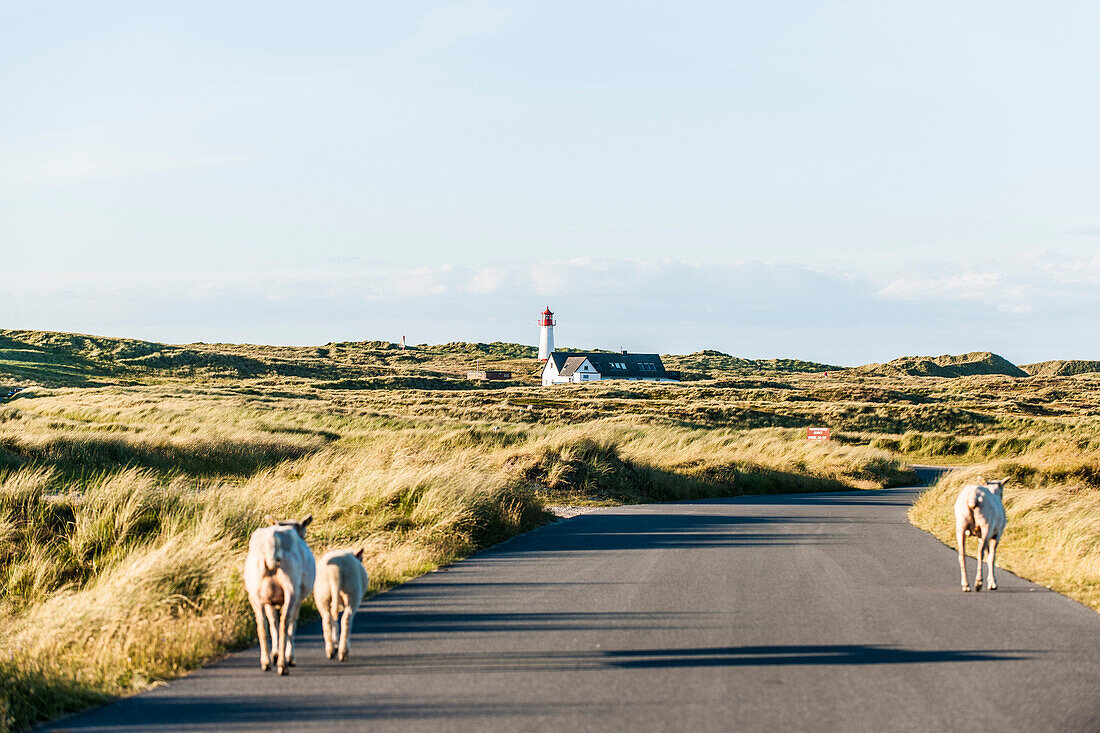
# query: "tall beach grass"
112, 580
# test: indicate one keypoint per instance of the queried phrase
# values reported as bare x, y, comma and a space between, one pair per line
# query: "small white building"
563, 367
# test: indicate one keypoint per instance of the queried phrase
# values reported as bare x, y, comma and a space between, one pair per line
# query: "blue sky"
838, 181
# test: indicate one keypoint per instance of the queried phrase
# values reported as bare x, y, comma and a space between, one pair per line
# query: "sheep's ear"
359, 553
305, 522
981, 481
270, 519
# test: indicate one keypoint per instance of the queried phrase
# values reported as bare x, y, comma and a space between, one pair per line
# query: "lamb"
980, 512
341, 581
278, 573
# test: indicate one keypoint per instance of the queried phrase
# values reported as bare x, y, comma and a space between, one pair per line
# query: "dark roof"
611, 365
572, 364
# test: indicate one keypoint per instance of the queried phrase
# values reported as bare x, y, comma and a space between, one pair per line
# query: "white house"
563, 367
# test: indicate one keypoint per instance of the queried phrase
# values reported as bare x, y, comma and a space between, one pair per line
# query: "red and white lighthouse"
546, 337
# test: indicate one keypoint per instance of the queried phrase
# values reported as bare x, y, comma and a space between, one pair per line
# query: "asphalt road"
822, 612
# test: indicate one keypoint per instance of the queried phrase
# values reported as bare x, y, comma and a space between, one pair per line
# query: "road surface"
820, 612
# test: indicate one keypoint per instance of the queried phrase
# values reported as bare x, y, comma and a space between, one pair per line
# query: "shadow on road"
286, 709
665, 530
785, 655
183, 713
795, 655
889, 497
734, 656
401, 621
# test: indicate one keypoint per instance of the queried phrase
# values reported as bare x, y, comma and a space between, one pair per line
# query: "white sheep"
341, 582
278, 573
980, 512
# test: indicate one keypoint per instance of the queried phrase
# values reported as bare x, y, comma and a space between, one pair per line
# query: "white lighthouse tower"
546, 338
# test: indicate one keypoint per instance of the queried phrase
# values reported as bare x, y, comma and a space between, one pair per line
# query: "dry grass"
136, 578
1053, 508
132, 473
632, 461
128, 572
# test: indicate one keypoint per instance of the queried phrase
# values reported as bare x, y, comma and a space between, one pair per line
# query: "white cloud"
1039, 281
1028, 310
1010, 288
990, 288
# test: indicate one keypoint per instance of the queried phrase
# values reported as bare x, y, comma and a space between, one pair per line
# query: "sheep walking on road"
979, 512
278, 574
338, 591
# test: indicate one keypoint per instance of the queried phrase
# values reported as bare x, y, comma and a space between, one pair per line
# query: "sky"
837, 181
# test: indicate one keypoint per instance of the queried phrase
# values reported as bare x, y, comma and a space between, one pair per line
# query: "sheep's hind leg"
291, 628
289, 622
261, 632
288, 604
960, 536
273, 631
983, 549
327, 630
345, 628
992, 560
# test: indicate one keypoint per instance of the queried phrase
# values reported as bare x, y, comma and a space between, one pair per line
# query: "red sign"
817, 433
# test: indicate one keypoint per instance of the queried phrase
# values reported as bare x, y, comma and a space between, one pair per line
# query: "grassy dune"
131, 473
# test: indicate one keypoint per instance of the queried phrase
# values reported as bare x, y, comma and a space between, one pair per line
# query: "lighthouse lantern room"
546, 337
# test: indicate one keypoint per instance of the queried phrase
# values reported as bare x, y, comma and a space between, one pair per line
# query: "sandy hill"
65, 359
1062, 368
964, 365
710, 364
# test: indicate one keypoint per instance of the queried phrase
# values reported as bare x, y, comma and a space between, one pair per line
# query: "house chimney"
623, 352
